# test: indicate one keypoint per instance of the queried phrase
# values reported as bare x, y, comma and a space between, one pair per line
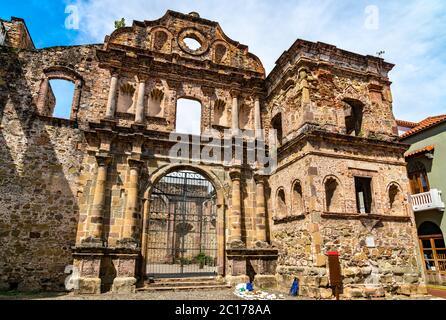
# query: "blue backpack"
295, 288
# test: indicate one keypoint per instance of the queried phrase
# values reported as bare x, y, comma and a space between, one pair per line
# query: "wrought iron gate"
182, 227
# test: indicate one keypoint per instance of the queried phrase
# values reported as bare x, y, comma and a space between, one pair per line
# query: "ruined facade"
81, 191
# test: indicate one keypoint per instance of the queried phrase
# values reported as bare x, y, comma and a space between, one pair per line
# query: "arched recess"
395, 198
44, 105
297, 199
221, 200
333, 195
281, 206
161, 39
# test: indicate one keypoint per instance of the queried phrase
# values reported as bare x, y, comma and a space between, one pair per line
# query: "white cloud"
412, 33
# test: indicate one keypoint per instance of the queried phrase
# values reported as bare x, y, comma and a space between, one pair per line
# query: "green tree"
120, 23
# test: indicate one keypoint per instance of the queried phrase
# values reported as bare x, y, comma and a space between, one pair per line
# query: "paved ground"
225, 294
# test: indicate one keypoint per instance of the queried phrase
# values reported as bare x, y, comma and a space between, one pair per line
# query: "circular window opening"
192, 43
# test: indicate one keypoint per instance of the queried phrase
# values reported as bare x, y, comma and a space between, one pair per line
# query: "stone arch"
395, 197
297, 199
333, 194
161, 39
220, 52
281, 210
222, 199
59, 73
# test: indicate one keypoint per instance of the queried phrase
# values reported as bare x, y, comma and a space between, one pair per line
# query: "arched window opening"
60, 98
188, 118
333, 197
353, 117
419, 181
395, 199
281, 204
277, 126
433, 249
297, 199
429, 228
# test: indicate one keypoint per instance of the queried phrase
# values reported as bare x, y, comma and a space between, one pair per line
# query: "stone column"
132, 214
111, 103
260, 211
43, 94
235, 114
139, 114
235, 219
258, 118
96, 217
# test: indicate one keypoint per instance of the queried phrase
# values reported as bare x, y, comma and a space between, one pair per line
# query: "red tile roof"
425, 124
420, 151
406, 124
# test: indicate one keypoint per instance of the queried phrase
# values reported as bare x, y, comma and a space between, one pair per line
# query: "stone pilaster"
112, 95
260, 218
235, 219
96, 215
139, 114
257, 118
132, 217
235, 113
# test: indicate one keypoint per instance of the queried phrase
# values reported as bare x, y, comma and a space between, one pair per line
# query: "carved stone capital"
235, 174
135, 164
235, 93
103, 160
259, 177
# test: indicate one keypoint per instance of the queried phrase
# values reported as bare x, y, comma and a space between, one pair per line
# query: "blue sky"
412, 33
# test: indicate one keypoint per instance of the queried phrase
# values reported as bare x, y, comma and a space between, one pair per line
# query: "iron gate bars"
182, 230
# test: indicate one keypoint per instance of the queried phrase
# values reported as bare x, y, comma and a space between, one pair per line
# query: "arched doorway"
433, 250
182, 227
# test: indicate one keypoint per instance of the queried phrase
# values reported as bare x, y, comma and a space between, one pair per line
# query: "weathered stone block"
265, 281
88, 286
124, 285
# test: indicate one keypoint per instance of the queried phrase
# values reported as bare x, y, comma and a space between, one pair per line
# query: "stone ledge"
289, 218
339, 215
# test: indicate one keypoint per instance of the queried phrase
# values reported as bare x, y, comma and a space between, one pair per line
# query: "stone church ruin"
99, 191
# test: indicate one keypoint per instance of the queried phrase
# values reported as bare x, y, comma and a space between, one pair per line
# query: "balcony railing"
430, 200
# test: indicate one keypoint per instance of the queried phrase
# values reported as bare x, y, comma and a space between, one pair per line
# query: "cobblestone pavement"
226, 294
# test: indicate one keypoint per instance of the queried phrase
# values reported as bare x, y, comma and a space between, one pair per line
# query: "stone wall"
39, 208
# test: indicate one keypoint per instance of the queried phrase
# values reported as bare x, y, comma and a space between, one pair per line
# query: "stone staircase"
185, 284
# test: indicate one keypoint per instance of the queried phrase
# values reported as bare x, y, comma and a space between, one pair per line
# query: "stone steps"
185, 284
